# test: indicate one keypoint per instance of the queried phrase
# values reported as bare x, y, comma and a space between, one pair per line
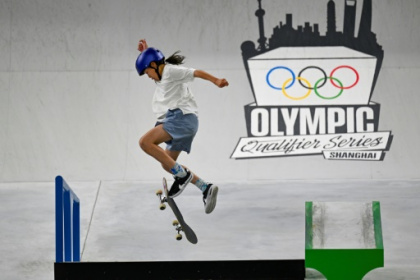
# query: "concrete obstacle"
343, 239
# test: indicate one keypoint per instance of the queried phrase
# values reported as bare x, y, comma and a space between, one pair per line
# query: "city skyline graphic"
307, 35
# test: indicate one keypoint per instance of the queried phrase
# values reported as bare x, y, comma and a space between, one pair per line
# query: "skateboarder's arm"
206, 76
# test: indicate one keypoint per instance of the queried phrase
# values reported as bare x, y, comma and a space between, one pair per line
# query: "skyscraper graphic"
260, 14
366, 19
349, 19
331, 27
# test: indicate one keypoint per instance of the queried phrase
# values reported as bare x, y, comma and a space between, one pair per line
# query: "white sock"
201, 185
178, 171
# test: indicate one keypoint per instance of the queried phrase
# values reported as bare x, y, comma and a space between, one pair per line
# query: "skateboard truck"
178, 228
163, 200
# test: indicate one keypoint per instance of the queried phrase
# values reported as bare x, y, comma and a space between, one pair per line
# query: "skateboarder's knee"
144, 144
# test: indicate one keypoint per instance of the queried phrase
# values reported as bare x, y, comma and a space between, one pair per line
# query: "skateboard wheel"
178, 236
175, 223
159, 192
162, 206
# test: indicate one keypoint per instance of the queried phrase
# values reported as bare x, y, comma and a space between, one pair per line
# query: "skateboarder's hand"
142, 45
221, 83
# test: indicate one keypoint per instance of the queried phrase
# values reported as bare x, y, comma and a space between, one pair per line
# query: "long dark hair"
175, 58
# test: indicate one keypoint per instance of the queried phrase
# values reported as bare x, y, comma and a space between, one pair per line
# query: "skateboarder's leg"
174, 155
209, 190
150, 144
196, 180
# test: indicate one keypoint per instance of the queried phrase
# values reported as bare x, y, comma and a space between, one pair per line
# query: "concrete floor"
120, 221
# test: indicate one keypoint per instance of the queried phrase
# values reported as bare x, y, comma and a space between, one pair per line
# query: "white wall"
71, 102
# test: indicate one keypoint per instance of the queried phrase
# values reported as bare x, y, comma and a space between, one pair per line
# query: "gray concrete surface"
121, 222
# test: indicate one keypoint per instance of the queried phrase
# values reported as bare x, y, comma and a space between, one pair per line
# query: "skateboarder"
176, 111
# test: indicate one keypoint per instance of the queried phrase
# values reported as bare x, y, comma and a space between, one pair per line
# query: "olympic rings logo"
318, 84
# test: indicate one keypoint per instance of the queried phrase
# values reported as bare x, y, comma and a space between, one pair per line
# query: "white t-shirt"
172, 91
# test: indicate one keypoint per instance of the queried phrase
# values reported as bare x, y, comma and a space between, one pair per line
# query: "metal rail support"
67, 223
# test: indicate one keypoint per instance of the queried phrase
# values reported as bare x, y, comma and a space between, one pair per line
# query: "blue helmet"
148, 56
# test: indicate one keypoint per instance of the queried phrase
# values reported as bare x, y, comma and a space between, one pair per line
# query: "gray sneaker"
210, 198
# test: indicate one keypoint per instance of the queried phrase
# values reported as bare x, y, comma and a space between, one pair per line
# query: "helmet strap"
157, 69
157, 72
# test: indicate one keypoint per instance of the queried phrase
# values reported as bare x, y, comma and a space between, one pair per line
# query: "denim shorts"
182, 129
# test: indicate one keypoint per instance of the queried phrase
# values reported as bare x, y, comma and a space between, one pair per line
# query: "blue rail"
67, 223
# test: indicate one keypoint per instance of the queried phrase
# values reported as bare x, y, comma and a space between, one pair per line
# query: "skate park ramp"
121, 222
343, 239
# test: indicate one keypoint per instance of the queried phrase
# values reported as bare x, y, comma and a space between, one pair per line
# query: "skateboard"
179, 223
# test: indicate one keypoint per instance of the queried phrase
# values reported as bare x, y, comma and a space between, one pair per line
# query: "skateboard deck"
180, 224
